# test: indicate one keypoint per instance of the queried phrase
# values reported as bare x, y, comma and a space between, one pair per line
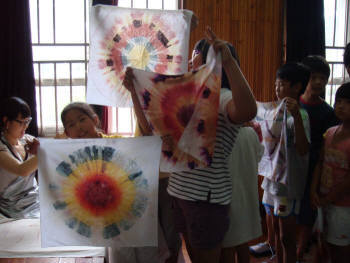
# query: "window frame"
335, 82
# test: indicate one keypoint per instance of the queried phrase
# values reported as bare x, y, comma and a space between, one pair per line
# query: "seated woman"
18, 187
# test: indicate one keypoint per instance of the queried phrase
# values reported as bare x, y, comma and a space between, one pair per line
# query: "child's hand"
32, 146
194, 22
128, 80
218, 45
293, 107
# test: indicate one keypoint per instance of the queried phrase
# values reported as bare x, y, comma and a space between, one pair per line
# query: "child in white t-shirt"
245, 218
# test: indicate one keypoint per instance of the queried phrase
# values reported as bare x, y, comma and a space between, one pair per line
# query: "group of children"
324, 139
216, 208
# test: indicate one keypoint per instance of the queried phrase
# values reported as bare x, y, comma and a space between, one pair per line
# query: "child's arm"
315, 184
242, 107
301, 141
141, 118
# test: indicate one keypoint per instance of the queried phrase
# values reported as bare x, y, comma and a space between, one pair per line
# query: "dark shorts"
205, 224
307, 215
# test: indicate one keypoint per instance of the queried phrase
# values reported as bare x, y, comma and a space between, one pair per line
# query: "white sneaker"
261, 250
271, 259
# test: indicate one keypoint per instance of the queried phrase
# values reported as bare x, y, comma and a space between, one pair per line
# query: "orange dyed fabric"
184, 108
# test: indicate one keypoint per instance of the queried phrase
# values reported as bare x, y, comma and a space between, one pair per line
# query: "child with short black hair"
331, 181
321, 116
282, 201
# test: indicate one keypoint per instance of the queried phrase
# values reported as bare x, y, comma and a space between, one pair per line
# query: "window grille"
337, 36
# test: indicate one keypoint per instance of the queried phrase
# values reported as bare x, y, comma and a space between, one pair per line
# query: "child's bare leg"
211, 255
270, 231
242, 252
278, 245
287, 226
188, 246
304, 238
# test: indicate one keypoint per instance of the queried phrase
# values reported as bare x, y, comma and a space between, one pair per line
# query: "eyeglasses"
195, 52
24, 122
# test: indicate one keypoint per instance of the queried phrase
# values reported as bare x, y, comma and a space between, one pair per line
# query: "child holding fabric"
201, 197
80, 121
165, 213
282, 201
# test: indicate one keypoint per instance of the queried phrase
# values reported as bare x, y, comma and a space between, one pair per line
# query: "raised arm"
242, 107
314, 193
141, 118
315, 183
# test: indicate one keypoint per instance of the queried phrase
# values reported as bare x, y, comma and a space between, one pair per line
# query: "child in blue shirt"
322, 117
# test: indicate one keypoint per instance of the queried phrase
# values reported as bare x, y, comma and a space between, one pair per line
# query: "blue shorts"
282, 206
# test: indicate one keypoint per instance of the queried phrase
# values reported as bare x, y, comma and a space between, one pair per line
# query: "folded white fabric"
21, 239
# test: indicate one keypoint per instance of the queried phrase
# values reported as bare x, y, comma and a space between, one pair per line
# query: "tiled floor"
307, 257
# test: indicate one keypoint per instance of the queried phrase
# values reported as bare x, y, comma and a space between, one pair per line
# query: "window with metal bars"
336, 13
60, 42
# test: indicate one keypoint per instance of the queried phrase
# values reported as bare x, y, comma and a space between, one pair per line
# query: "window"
336, 13
60, 42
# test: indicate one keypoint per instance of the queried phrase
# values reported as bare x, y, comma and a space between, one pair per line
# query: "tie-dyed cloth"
152, 40
272, 117
186, 108
99, 192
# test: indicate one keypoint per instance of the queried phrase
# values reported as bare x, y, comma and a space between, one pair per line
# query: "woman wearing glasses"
18, 186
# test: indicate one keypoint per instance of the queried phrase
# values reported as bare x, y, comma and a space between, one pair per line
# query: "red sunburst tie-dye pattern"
99, 194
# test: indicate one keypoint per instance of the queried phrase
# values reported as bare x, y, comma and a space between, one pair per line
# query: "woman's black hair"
343, 92
202, 46
11, 108
80, 106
